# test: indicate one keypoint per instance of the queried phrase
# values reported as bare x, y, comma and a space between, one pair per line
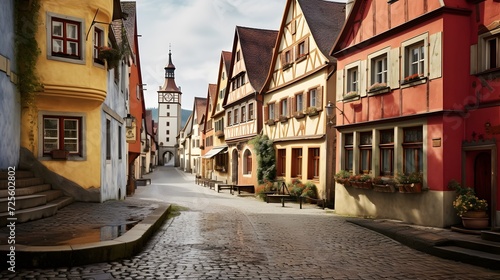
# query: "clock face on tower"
165, 97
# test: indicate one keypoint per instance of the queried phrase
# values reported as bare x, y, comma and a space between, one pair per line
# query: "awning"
215, 151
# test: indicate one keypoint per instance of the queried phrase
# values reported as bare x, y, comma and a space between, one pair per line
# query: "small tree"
266, 158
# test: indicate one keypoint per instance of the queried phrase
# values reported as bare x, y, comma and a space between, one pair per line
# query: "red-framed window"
297, 162
62, 133
314, 161
247, 168
98, 44
66, 38
386, 147
281, 164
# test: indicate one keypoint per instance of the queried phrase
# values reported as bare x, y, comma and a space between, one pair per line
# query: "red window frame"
66, 39
60, 133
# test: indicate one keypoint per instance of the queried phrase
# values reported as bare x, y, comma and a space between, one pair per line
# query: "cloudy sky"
197, 30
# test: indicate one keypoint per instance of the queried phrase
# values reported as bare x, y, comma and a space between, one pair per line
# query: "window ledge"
413, 82
287, 66
301, 58
487, 72
377, 91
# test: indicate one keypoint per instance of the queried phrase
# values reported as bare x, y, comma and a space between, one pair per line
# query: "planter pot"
475, 214
410, 188
363, 185
383, 188
475, 223
59, 154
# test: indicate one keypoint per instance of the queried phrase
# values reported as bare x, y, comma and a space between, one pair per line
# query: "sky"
196, 31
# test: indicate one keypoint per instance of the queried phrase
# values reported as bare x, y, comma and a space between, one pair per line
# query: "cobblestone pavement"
220, 236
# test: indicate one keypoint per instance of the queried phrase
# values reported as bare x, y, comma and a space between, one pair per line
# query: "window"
98, 43
168, 139
247, 163
313, 172
108, 139
235, 121
286, 59
284, 107
229, 118
412, 150
221, 162
62, 133
119, 142
281, 164
250, 111
243, 114
379, 69
415, 59
492, 57
297, 162
365, 152
386, 147
352, 80
65, 38
168, 123
299, 103
312, 97
349, 151
238, 56
271, 111
302, 49
168, 132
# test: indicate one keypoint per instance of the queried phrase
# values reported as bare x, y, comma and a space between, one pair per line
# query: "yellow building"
70, 128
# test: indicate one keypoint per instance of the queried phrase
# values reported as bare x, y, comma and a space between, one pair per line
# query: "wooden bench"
247, 188
212, 183
280, 196
224, 187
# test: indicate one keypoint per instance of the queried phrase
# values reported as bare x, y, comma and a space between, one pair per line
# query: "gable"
370, 18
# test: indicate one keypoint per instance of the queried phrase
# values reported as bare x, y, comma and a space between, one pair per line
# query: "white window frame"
348, 83
406, 46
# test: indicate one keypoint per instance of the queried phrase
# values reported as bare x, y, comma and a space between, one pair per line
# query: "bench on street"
280, 196
246, 188
212, 183
225, 187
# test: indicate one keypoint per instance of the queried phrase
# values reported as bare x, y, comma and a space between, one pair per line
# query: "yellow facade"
71, 87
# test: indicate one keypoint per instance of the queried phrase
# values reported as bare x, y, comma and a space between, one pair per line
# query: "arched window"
247, 162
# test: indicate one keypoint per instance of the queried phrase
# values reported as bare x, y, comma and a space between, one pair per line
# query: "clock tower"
169, 116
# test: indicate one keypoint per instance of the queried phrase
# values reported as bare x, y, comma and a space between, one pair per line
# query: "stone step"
493, 236
62, 201
20, 183
29, 214
26, 190
471, 256
23, 202
480, 245
51, 194
18, 174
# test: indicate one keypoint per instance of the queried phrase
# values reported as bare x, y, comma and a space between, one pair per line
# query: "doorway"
234, 166
482, 176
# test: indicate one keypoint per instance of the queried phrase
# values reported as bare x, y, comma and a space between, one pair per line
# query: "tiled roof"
226, 56
257, 50
129, 8
200, 105
325, 20
212, 94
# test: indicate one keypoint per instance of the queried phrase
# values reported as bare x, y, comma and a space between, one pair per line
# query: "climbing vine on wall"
266, 158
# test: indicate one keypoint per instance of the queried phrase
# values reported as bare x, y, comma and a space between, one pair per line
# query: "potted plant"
378, 87
270, 122
312, 111
310, 192
296, 188
351, 95
410, 183
298, 115
283, 119
111, 55
342, 177
411, 78
469, 207
383, 184
363, 181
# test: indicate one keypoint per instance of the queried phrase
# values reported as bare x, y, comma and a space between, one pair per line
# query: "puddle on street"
73, 237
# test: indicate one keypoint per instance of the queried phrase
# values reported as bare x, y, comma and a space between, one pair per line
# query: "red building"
417, 92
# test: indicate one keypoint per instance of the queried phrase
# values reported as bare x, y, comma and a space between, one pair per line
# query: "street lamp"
129, 121
329, 113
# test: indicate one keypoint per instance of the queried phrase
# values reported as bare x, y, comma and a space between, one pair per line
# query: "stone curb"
125, 246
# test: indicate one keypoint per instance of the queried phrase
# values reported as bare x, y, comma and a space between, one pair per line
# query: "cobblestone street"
221, 236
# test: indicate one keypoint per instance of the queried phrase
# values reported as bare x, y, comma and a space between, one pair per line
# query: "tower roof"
169, 85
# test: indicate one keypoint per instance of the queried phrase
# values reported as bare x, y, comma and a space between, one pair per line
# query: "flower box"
410, 188
111, 55
59, 154
299, 115
312, 111
384, 188
270, 122
351, 96
283, 119
219, 133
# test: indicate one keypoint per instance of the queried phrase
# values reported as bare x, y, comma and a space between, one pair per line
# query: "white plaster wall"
114, 171
10, 108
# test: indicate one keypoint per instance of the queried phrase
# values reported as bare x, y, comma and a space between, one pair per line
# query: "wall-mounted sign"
130, 134
436, 142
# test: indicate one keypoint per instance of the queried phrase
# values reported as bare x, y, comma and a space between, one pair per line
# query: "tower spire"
169, 84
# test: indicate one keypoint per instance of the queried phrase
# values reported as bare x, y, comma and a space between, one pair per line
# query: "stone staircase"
33, 198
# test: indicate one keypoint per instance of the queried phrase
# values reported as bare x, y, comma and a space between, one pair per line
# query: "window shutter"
276, 111
394, 68
319, 98
340, 84
473, 59
306, 45
294, 105
435, 56
290, 106
293, 27
282, 58
266, 113
362, 78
